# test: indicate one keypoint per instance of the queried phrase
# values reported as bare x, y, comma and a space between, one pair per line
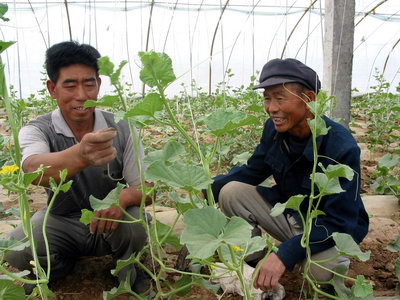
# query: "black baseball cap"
278, 71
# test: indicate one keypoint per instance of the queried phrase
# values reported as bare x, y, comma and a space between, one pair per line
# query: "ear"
98, 81
309, 95
51, 88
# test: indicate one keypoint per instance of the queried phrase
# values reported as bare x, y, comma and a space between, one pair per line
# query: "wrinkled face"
76, 84
287, 108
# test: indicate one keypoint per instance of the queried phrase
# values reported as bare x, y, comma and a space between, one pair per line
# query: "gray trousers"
69, 239
243, 200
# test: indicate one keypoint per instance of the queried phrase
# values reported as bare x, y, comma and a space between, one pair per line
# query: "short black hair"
68, 53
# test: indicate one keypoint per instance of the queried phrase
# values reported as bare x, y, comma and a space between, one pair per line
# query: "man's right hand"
96, 148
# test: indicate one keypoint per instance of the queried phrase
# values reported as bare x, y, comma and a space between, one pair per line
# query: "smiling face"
286, 106
75, 84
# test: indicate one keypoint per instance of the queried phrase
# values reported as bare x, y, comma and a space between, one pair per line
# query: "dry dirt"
91, 275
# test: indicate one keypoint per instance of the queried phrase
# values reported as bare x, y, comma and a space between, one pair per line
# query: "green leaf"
178, 176
162, 231
361, 288
203, 227
318, 126
63, 174
182, 204
388, 161
256, 244
169, 153
343, 292
316, 213
106, 100
28, 178
293, 202
147, 107
86, 217
223, 121
327, 186
395, 246
207, 284
114, 78
124, 287
347, 246
339, 170
111, 199
397, 268
241, 159
10, 244
106, 67
10, 291
66, 186
185, 280
3, 10
122, 263
157, 69
237, 232
5, 45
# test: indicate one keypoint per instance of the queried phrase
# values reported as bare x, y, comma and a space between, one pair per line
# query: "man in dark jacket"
286, 152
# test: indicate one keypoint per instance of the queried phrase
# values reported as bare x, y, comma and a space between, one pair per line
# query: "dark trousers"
69, 239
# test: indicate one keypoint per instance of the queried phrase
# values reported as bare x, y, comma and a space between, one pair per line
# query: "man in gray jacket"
97, 152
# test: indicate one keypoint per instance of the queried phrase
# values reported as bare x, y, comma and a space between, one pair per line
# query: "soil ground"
91, 275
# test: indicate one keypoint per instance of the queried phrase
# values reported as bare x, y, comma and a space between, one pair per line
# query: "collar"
61, 127
308, 150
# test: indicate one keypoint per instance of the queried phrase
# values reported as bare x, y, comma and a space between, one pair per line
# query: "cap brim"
273, 81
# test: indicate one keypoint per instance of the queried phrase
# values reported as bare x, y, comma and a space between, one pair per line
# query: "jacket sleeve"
254, 172
343, 213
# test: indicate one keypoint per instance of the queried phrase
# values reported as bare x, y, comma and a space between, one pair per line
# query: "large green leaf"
178, 175
157, 69
237, 231
5, 45
347, 246
169, 153
111, 199
294, 202
10, 291
147, 107
339, 170
11, 244
107, 101
223, 121
202, 230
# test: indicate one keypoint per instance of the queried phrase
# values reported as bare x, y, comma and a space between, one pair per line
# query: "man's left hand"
103, 226
269, 274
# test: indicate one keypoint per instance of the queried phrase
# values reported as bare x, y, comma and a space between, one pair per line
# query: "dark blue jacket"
344, 212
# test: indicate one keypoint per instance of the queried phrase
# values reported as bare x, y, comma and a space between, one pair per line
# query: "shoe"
142, 284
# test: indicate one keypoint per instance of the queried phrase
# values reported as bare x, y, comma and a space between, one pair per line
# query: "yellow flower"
237, 249
8, 169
